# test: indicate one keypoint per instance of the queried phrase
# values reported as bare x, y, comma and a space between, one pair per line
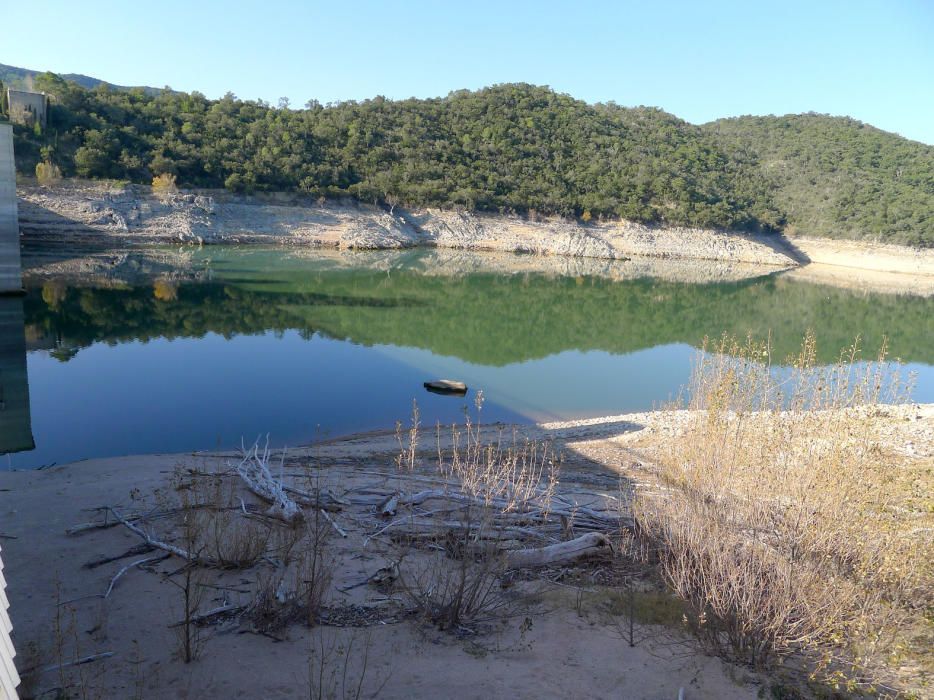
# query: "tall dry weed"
780, 521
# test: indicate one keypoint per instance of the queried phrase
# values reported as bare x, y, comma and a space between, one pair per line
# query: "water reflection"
15, 424
144, 351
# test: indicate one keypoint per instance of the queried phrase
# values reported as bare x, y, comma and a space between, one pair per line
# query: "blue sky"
699, 59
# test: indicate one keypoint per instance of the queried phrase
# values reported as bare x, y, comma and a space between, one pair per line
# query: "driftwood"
79, 662
133, 551
389, 506
150, 540
254, 470
226, 609
113, 581
585, 545
337, 528
85, 527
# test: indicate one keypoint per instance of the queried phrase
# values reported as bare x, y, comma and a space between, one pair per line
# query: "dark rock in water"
446, 386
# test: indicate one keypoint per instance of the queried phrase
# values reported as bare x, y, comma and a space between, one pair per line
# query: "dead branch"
254, 470
150, 540
585, 545
113, 581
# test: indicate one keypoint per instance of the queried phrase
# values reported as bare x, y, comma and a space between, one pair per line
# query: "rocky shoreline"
108, 214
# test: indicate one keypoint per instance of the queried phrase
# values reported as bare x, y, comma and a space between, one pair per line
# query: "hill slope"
837, 177
23, 78
507, 148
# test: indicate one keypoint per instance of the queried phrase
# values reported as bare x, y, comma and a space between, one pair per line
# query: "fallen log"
585, 545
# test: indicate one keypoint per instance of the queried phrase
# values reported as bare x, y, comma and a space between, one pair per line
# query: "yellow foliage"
165, 290
164, 183
54, 293
48, 174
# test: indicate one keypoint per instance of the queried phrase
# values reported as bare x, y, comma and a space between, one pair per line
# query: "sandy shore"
563, 644
566, 644
865, 266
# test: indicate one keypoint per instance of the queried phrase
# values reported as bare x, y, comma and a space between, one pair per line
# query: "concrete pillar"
11, 279
15, 418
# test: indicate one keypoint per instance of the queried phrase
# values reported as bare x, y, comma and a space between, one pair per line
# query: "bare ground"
565, 637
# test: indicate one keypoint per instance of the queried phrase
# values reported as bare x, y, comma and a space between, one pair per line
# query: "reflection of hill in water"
479, 316
15, 421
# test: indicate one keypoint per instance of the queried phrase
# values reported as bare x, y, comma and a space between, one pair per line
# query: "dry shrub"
48, 174
458, 582
780, 524
510, 475
455, 588
164, 184
338, 665
214, 515
296, 589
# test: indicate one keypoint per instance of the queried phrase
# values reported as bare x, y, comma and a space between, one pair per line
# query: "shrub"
780, 524
48, 174
164, 184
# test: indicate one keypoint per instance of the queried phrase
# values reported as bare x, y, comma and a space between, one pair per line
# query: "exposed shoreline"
44, 566
97, 214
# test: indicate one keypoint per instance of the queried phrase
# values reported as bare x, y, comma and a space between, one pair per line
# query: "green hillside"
24, 78
840, 178
512, 148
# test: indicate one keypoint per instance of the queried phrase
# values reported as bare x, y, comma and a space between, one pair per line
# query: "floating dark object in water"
446, 386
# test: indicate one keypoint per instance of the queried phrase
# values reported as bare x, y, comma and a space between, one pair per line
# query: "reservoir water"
130, 352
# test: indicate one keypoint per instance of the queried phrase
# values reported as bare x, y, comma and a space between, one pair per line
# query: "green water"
186, 352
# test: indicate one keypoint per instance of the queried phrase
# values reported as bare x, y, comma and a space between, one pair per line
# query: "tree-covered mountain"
508, 148
837, 177
24, 79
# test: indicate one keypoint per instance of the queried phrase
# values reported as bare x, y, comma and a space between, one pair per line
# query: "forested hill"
24, 79
508, 148
838, 177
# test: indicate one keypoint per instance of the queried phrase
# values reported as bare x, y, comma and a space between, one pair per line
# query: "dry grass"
48, 174
294, 590
494, 482
782, 521
164, 184
512, 475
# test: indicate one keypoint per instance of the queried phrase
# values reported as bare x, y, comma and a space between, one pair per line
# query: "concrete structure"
15, 435
28, 107
15, 418
10, 271
9, 679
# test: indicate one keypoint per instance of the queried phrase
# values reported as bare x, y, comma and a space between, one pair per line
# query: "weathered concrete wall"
15, 418
10, 271
27, 107
9, 679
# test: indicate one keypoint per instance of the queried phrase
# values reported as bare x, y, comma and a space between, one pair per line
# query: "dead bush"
780, 524
164, 184
295, 590
48, 174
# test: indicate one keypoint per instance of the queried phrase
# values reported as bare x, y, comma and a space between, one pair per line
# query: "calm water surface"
175, 351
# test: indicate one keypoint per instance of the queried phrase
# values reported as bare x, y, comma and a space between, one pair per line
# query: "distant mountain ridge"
21, 78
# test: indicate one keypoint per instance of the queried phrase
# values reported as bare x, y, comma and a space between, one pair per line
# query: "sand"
865, 266
570, 647
562, 641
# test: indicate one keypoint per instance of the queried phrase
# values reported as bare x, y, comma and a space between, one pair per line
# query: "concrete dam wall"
10, 272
